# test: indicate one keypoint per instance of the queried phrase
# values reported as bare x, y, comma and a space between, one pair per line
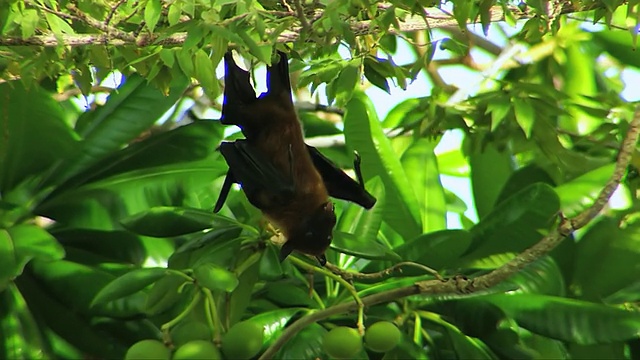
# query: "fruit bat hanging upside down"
281, 175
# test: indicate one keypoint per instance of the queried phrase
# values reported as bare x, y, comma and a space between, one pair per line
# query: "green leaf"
578, 194
453, 163
183, 144
403, 113
29, 22
22, 243
364, 134
152, 12
66, 322
128, 284
619, 44
499, 108
168, 221
525, 115
603, 257
111, 126
516, 223
174, 13
421, 166
164, 294
205, 73
20, 336
34, 124
274, 322
101, 204
438, 249
347, 81
569, 320
214, 277
365, 223
306, 344
524, 177
270, 267
351, 244
490, 170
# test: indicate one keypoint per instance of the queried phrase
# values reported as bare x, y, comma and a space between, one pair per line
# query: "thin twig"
111, 31
350, 275
115, 7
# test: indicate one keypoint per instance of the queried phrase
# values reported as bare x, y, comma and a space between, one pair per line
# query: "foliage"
106, 232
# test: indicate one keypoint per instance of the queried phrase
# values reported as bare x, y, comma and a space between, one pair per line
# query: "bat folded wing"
263, 184
338, 184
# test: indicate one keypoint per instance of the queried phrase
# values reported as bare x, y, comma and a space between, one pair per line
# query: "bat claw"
322, 259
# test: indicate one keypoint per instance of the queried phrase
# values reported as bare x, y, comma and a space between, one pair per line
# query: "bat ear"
285, 250
278, 81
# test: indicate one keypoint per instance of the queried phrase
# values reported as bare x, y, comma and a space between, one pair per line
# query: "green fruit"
243, 340
382, 336
197, 349
148, 349
342, 342
189, 331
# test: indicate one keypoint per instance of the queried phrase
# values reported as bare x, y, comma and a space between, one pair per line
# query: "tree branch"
460, 285
114, 37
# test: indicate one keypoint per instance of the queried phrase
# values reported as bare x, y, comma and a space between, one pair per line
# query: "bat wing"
263, 184
238, 93
339, 184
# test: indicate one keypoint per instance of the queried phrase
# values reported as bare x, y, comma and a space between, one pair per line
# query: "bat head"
313, 236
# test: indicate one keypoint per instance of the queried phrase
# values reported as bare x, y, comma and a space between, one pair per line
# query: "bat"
288, 180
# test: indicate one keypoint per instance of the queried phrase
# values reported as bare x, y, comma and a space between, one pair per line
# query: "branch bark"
460, 285
436, 18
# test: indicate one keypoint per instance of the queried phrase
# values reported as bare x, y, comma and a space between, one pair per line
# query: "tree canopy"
109, 174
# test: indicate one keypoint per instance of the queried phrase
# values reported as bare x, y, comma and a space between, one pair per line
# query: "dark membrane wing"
238, 92
339, 184
263, 184
278, 81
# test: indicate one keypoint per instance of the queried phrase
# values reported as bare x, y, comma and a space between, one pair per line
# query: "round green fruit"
196, 350
342, 342
148, 349
243, 340
382, 336
189, 331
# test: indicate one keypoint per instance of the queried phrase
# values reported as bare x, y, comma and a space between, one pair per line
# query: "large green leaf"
126, 114
20, 337
364, 223
306, 344
363, 133
112, 246
438, 250
169, 221
569, 320
579, 193
22, 243
35, 135
619, 44
490, 169
353, 245
127, 284
515, 224
607, 258
192, 142
421, 166
102, 204
67, 323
